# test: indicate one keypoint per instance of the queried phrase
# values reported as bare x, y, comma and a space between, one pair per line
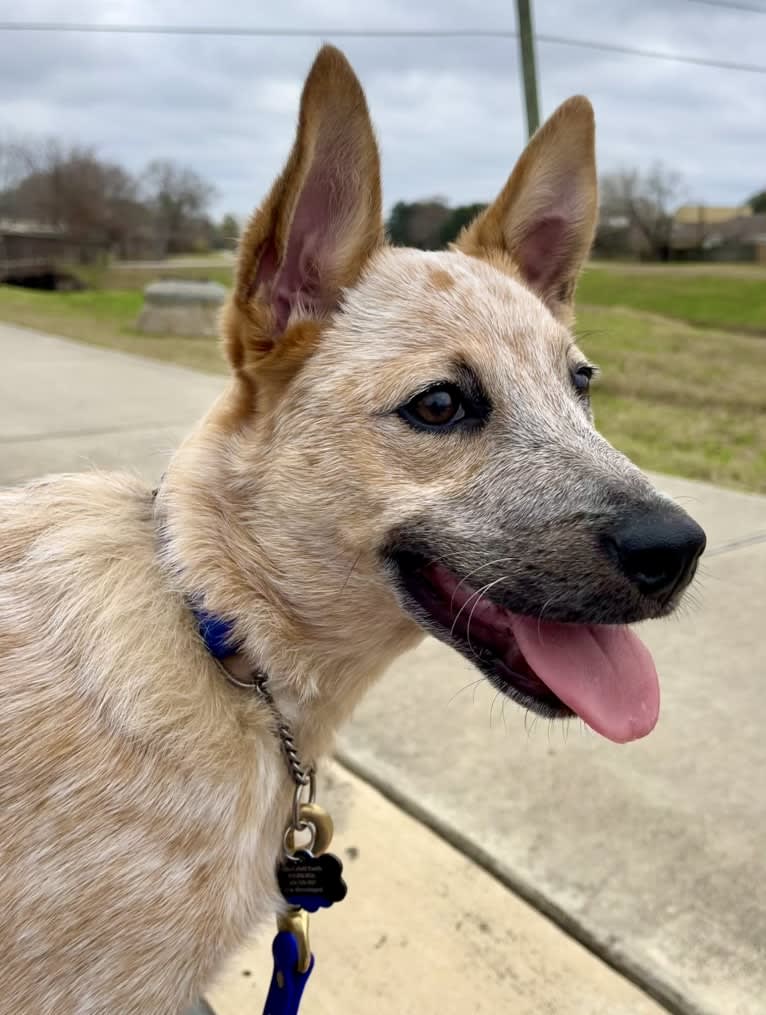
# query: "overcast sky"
449, 112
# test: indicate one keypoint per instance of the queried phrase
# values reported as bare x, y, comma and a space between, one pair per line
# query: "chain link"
302, 775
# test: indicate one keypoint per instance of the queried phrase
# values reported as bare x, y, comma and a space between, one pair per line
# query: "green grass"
724, 299
116, 276
675, 397
680, 399
218, 258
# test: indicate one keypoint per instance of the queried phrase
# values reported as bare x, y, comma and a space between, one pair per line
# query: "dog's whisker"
687, 497
441, 557
530, 718
474, 596
582, 335
481, 567
546, 604
492, 707
550, 730
473, 610
472, 683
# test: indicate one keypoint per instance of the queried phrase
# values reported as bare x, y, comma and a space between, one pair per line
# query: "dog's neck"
317, 671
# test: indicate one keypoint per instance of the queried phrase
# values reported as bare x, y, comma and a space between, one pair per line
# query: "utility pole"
528, 71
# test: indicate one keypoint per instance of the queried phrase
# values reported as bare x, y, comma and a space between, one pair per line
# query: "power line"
653, 54
750, 8
268, 33
379, 33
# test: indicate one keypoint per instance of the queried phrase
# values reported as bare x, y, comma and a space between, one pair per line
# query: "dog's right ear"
316, 230
542, 223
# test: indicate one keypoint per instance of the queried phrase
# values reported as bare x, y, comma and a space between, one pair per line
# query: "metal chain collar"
293, 960
302, 775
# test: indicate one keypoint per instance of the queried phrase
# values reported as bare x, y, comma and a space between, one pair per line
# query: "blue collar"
216, 633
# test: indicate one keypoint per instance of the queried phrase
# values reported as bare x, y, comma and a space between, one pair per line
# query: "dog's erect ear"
319, 225
545, 216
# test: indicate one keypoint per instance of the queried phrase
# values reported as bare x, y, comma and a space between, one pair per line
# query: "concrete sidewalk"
425, 931
651, 854
65, 407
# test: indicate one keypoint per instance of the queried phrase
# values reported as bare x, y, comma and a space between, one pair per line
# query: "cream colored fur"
142, 798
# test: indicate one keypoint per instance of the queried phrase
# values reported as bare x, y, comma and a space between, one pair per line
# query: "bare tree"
100, 204
15, 164
178, 198
647, 200
229, 231
73, 189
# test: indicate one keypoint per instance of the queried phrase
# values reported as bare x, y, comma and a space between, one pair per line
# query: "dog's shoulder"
69, 514
66, 543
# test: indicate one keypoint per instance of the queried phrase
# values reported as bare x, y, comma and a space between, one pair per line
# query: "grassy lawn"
122, 277
725, 299
225, 257
678, 397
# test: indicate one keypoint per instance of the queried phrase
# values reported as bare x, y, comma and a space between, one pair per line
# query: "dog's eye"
582, 376
436, 408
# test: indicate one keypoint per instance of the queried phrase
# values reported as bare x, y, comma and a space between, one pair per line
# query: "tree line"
636, 215
164, 209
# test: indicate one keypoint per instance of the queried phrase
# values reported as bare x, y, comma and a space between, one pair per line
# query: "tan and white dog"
406, 445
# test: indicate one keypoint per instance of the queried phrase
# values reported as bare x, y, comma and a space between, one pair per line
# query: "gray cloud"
448, 111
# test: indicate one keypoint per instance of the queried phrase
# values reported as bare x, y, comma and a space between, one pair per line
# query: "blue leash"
287, 982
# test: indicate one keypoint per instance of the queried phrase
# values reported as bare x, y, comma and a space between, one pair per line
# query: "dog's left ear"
316, 230
545, 216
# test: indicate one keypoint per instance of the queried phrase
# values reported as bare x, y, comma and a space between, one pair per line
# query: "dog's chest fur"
144, 795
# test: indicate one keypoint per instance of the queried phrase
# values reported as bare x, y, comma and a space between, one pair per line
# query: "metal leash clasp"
296, 922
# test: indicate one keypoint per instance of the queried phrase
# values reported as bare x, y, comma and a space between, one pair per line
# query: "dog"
406, 445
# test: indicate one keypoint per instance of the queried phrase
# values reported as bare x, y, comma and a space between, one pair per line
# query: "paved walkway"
650, 854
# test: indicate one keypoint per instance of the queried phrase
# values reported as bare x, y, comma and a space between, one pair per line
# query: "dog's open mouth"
604, 674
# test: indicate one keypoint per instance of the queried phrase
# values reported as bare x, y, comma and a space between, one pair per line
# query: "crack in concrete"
607, 951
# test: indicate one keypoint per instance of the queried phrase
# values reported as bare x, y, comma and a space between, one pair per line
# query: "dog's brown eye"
445, 406
438, 407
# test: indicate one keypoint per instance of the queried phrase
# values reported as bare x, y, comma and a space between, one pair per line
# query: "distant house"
698, 232
701, 232
30, 248
693, 214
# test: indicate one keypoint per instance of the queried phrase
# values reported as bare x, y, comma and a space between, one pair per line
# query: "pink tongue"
604, 674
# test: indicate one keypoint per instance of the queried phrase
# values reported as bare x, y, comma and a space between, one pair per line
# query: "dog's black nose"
657, 549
